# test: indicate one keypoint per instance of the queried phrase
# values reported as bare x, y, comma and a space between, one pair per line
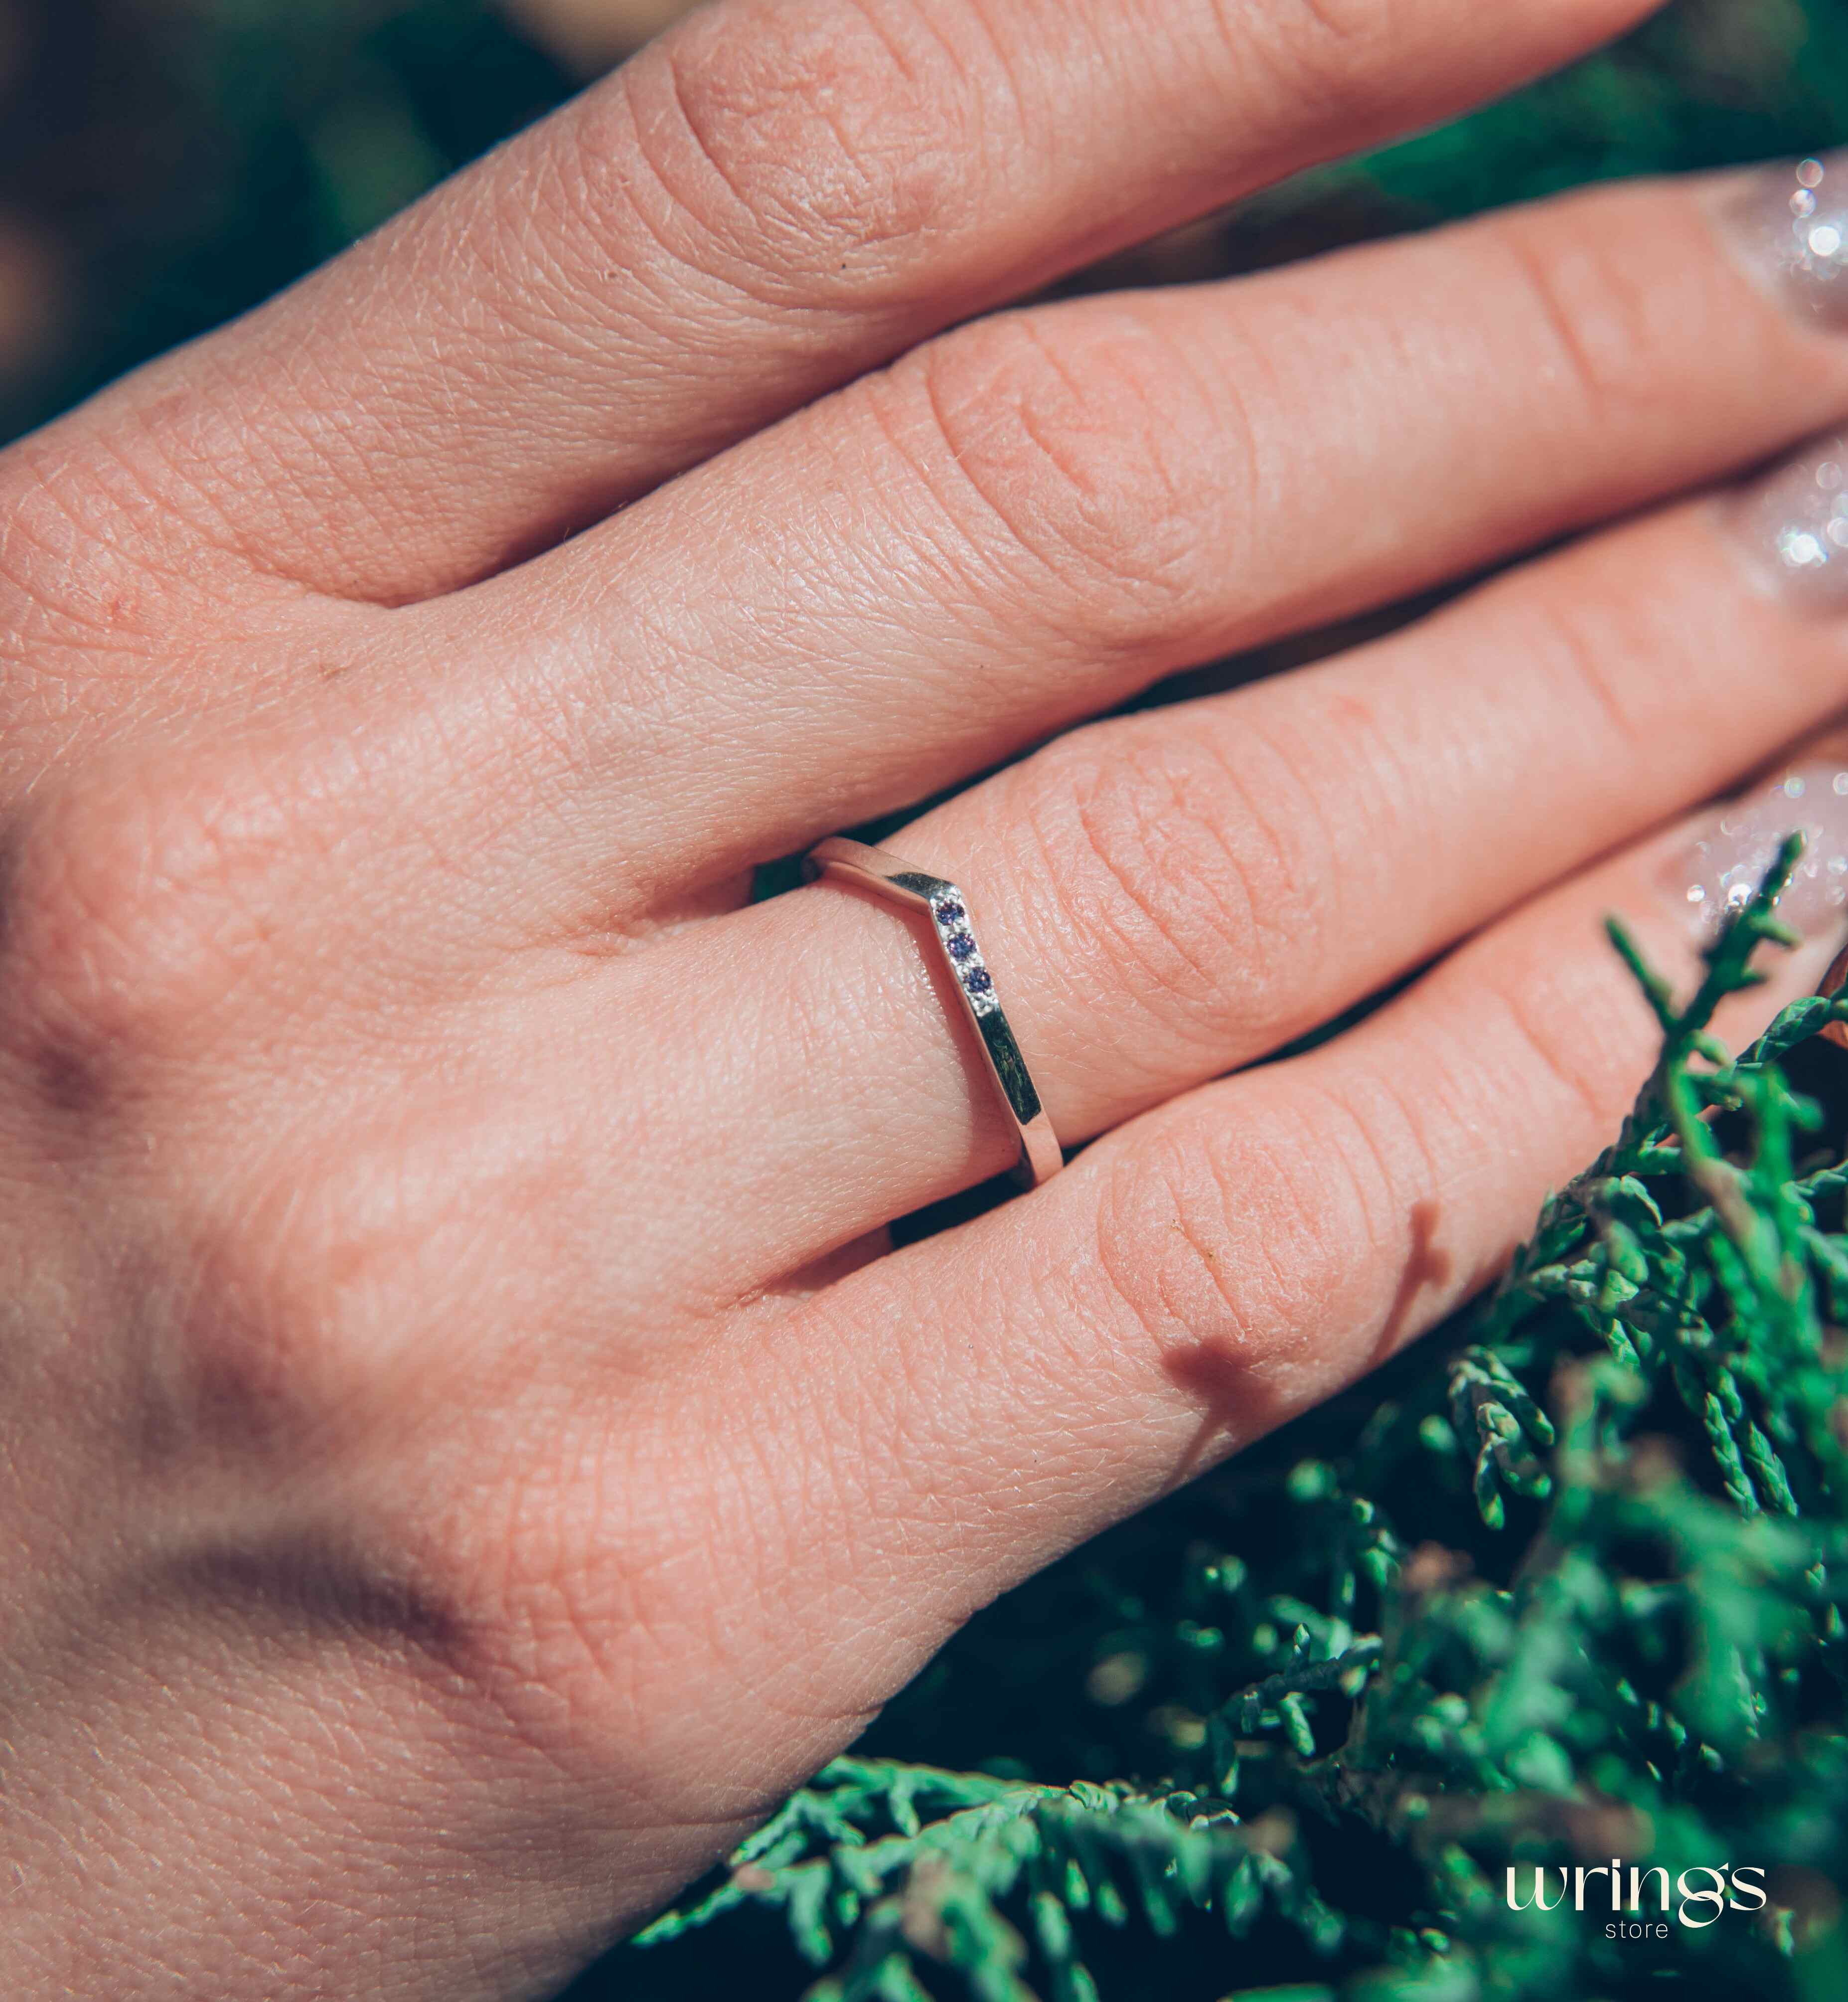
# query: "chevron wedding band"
914, 889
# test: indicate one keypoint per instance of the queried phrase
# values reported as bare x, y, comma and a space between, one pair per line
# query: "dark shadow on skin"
1427, 1264
298, 1584
1239, 1404
961, 1208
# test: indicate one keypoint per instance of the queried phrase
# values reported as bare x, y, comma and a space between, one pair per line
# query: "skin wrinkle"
1394, 1251
1149, 425
1340, 32
317, 394
966, 1507
679, 205
162, 855
83, 603
1580, 634
1355, 29
150, 451
1628, 315
1302, 873
1123, 852
875, 18
958, 557
1290, 1252
1231, 384
1539, 1036
898, 197
1263, 921
1266, 54
1294, 479
668, 305
1587, 362
311, 1273
758, 1505
553, 200
508, 747
311, 411
985, 135
1394, 784
1120, 478
950, 456
1226, 1335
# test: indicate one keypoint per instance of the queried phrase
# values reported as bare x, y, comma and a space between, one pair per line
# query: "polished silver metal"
899, 883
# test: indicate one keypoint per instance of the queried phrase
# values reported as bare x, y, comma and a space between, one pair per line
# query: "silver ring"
899, 883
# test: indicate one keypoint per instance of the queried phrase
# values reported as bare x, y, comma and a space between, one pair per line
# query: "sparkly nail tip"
952, 921
1794, 521
1792, 225
1718, 874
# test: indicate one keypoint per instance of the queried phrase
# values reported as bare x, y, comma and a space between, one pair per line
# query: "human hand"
468, 1448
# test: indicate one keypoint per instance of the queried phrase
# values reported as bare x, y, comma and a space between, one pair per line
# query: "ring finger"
1165, 897
1010, 1388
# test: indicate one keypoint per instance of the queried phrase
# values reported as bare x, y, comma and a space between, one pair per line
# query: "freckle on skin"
65, 1081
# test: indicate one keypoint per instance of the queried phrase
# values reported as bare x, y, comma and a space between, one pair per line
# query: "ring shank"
898, 883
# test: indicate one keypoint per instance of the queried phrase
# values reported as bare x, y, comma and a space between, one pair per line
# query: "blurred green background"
166, 163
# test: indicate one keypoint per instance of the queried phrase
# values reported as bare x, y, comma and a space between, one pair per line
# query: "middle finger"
1031, 520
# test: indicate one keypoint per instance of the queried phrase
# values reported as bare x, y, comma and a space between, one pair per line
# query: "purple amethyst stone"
977, 981
949, 911
960, 946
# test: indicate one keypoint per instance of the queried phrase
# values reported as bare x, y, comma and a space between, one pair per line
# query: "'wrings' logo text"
1645, 1904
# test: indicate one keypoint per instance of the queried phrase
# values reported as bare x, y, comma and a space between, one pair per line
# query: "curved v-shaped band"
1040, 1155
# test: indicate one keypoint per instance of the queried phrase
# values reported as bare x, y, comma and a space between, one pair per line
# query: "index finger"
773, 198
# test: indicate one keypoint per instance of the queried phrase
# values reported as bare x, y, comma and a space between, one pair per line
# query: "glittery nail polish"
1723, 865
1794, 523
1790, 226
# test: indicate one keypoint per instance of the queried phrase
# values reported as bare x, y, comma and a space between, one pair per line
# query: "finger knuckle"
1571, 1032
325, 1277
815, 155
1225, 1235
1332, 53
1196, 900
1278, 1248
134, 900
1068, 446
1607, 660
1606, 320
262, 1355
72, 582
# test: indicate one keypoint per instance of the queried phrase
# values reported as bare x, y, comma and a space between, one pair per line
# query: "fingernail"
1719, 871
1790, 226
1794, 523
